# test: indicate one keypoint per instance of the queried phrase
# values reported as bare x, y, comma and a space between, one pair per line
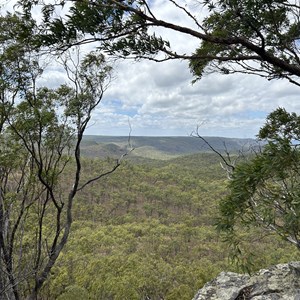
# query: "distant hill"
160, 147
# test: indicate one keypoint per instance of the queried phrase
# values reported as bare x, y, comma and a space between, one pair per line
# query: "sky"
158, 99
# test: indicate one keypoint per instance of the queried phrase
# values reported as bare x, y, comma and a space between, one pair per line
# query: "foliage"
40, 132
264, 190
253, 37
263, 31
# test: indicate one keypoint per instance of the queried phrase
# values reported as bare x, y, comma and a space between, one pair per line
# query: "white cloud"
165, 102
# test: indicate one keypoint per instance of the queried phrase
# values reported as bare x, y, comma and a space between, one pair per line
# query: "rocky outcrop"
280, 282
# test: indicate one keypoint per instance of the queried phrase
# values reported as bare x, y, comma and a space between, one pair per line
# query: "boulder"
280, 282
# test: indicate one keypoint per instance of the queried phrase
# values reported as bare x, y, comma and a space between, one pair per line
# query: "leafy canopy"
253, 37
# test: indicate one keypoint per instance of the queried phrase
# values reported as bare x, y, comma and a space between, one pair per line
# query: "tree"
41, 130
253, 37
265, 190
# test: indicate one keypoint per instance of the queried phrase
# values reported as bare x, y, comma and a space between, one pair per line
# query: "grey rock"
280, 282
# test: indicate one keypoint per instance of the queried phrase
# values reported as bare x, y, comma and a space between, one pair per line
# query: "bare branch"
229, 166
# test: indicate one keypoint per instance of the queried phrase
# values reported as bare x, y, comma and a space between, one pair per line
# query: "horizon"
171, 136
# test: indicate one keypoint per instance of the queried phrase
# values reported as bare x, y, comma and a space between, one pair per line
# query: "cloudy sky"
158, 99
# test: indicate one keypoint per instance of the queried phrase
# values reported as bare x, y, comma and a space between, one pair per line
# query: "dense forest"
147, 231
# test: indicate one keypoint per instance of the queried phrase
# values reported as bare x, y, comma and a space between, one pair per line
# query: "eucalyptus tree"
250, 36
41, 130
264, 191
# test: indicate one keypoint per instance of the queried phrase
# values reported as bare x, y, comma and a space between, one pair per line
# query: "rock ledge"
280, 282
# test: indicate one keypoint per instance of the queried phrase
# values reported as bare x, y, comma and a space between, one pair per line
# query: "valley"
147, 231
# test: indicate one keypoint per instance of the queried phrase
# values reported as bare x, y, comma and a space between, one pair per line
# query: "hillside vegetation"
147, 232
161, 148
